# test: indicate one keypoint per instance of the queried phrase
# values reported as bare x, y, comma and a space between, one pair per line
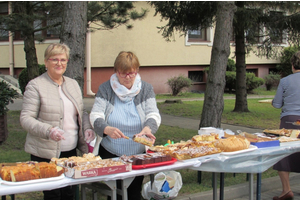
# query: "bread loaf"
232, 144
30, 171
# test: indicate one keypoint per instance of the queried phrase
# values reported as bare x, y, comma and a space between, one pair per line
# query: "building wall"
159, 59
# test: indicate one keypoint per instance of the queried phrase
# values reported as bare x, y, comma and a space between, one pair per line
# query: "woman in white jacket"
52, 114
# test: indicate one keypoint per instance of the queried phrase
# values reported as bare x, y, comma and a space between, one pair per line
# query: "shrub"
230, 81
7, 95
23, 77
179, 83
231, 65
252, 81
272, 80
285, 67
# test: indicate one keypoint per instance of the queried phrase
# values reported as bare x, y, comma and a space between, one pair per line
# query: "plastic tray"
251, 148
266, 144
41, 180
173, 160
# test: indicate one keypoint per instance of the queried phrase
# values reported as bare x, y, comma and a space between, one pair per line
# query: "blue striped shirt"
124, 117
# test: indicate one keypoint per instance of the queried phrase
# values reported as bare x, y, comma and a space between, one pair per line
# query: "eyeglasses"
131, 74
55, 61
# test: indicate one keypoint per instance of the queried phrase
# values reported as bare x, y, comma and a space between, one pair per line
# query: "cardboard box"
266, 144
73, 173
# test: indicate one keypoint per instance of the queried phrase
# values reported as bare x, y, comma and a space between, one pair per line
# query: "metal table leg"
215, 186
125, 184
258, 187
251, 187
221, 186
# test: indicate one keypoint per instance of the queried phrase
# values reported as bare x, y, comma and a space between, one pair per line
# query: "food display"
143, 139
232, 144
75, 160
281, 132
199, 145
25, 171
148, 158
90, 165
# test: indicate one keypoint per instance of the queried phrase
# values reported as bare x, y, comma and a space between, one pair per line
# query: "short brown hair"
56, 48
126, 61
295, 60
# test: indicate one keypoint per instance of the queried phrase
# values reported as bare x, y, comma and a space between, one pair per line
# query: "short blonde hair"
126, 61
56, 48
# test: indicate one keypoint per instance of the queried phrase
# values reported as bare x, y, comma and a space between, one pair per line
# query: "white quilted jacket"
42, 109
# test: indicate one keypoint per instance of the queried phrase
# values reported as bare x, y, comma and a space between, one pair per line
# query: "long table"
256, 161
252, 162
49, 185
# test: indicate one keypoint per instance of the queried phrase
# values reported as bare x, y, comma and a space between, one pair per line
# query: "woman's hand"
113, 132
89, 135
147, 131
56, 134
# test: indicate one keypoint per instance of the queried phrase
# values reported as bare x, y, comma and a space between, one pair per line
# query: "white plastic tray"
251, 148
41, 180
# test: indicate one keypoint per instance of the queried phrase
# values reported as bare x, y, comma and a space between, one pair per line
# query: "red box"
73, 173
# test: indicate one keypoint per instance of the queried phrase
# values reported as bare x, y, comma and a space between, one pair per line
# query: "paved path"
270, 187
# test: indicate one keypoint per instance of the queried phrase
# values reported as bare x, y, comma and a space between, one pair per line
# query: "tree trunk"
73, 34
29, 45
213, 102
241, 104
3, 128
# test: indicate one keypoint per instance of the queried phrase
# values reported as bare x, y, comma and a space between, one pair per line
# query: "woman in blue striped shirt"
124, 106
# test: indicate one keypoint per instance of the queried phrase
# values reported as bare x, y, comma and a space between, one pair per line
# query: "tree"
74, 27
27, 18
182, 16
261, 24
80, 17
213, 102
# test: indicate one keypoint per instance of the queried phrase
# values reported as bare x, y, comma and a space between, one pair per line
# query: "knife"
128, 138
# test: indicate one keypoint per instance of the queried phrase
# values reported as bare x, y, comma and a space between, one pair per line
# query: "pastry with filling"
143, 139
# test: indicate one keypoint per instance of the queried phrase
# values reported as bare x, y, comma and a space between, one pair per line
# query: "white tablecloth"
49, 185
256, 161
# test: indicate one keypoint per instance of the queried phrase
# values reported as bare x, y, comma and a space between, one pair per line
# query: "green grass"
261, 116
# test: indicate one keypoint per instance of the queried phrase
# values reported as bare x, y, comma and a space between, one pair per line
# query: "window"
199, 36
275, 31
52, 33
254, 71
196, 76
253, 35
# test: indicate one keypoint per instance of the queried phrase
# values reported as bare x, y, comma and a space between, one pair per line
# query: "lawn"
261, 116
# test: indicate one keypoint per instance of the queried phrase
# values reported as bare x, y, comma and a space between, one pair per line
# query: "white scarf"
123, 92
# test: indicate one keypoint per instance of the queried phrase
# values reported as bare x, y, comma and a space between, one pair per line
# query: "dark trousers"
65, 193
135, 188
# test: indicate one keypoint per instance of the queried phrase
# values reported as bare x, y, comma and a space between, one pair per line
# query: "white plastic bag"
156, 193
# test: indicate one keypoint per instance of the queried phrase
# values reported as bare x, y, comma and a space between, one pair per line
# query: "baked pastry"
232, 144
30, 171
143, 139
283, 131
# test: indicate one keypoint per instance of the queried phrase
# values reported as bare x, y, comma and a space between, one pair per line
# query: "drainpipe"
88, 64
10, 46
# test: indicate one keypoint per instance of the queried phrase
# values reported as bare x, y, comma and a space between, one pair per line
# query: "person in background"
288, 99
52, 114
124, 106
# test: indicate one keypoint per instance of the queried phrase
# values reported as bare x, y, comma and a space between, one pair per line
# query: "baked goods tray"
41, 180
251, 148
173, 160
201, 158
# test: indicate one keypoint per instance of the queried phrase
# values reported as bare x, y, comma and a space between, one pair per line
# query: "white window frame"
209, 40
